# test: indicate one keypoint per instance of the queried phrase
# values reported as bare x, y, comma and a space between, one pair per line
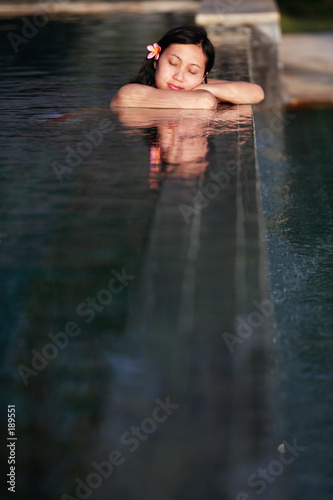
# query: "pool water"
297, 197
121, 270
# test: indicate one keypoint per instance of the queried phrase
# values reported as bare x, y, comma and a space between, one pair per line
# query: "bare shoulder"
129, 95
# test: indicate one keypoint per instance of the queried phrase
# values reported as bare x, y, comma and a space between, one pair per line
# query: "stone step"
237, 12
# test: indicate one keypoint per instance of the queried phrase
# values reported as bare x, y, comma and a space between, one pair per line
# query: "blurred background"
306, 15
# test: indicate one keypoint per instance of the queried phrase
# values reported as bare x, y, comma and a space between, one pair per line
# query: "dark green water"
114, 300
296, 171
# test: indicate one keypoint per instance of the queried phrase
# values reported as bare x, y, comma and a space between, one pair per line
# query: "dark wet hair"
195, 35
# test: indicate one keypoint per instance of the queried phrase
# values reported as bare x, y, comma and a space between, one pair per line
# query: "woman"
181, 61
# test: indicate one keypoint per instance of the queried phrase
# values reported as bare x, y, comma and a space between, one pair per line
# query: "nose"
179, 76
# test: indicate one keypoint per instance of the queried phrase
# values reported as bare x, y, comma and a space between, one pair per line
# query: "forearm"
152, 117
142, 96
234, 92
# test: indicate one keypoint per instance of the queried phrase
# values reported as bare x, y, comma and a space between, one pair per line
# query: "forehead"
189, 54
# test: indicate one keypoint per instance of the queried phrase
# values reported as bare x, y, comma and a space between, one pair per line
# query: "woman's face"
180, 67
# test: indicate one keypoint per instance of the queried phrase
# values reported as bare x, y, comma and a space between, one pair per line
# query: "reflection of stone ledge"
237, 12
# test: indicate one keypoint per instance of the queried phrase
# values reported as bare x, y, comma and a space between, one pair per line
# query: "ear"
155, 64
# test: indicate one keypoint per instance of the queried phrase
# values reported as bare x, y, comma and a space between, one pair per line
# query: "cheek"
194, 81
160, 74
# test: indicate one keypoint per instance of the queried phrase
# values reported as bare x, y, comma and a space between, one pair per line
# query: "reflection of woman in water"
181, 61
181, 139
179, 142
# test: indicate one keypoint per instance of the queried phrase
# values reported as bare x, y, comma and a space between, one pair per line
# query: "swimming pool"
122, 277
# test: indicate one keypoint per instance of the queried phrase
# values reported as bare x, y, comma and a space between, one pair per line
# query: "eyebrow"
192, 64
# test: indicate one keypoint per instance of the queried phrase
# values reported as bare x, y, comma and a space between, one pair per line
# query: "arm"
143, 96
150, 117
234, 92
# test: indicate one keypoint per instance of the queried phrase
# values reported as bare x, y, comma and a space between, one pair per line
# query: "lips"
174, 87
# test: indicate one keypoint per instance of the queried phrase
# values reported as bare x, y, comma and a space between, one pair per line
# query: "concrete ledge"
237, 12
198, 276
54, 8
